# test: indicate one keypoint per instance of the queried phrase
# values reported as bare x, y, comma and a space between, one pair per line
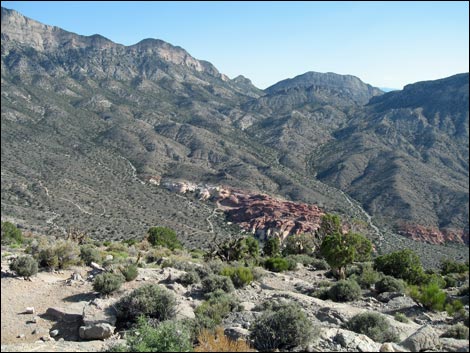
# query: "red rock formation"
267, 216
434, 235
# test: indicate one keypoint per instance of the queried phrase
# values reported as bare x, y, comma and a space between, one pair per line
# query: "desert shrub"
168, 336
218, 342
106, 283
150, 300
282, 329
190, 277
61, 255
130, 242
211, 312
10, 234
258, 273
276, 264
450, 281
403, 264
130, 272
89, 253
240, 276
368, 276
454, 307
305, 260
291, 262
344, 291
463, 291
458, 331
430, 295
390, 284
299, 244
401, 317
373, 325
117, 247
163, 236
451, 266
434, 278
272, 247
25, 266
214, 282
321, 293
320, 264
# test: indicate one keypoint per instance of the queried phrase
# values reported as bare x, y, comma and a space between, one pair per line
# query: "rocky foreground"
60, 312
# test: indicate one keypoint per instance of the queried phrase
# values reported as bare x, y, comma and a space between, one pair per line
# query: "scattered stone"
21, 335
54, 333
96, 266
29, 310
184, 311
99, 331
77, 277
423, 339
109, 257
331, 315
385, 297
46, 338
248, 306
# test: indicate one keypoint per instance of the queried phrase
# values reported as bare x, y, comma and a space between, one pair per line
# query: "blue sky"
386, 44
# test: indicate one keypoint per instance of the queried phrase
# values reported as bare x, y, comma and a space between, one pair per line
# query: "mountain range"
86, 123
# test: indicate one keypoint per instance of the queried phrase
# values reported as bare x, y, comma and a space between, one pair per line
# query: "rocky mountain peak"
28, 32
349, 85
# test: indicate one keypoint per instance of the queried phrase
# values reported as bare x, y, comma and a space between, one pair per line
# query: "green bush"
211, 312
150, 300
272, 247
25, 266
130, 272
454, 307
106, 283
373, 325
62, 255
282, 329
390, 284
240, 276
320, 264
10, 234
450, 281
214, 282
403, 264
458, 331
451, 266
276, 264
163, 236
430, 295
368, 276
344, 291
291, 262
190, 277
168, 336
401, 317
89, 253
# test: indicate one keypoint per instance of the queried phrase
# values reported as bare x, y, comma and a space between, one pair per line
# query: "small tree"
330, 224
163, 236
272, 247
340, 250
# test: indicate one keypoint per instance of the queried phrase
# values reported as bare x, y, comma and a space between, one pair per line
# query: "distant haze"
386, 44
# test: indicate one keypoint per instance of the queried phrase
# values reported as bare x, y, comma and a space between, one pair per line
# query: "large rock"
235, 333
454, 345
99, 331
332, 316
184, 310
356, 342
423, 339
99, 311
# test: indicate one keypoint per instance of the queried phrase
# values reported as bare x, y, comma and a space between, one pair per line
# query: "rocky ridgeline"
434, 235
259, 214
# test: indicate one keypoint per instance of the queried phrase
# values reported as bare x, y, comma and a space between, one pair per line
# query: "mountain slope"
79, 114
405, 157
